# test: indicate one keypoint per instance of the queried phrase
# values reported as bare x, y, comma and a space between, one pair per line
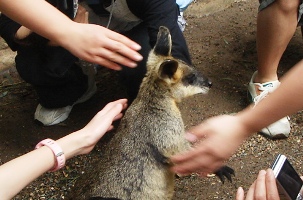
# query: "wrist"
65, 34
57, 151
247, 127
73, 144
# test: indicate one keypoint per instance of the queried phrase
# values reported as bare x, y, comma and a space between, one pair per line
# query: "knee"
288, 6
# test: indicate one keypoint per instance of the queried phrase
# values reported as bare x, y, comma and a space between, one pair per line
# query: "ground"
222, 45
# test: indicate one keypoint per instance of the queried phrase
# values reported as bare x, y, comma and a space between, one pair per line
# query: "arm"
233, 130
19, 172
8, 29
87, 41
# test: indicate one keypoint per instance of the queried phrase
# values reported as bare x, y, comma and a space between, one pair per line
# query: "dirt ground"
222, 45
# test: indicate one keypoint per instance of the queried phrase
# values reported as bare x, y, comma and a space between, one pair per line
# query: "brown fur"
135, 164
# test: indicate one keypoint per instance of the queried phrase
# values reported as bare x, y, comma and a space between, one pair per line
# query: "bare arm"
19, 172
210, 153
87, 41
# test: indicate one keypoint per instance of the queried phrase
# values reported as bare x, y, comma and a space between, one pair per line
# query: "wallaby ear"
169, 70
164, 43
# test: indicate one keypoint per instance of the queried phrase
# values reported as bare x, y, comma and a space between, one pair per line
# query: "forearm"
285, 100
19, 172
42, 18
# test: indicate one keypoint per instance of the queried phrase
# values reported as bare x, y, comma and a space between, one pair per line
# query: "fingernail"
239, 191
190, 137
262, 172
138, 57
133, 64
136, 46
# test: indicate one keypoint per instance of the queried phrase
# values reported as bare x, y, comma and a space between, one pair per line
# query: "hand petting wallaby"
135, 162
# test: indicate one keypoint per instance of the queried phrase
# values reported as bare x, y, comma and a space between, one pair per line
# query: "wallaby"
135, 164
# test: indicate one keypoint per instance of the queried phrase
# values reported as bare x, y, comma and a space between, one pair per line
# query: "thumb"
197, 132
191, 137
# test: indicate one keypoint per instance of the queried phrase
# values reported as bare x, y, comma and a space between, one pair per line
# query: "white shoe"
259, 91
181, 22
49, 117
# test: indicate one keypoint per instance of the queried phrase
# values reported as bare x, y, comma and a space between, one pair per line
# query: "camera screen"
290, 180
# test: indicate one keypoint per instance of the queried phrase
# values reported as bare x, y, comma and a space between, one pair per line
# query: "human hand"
215, 140
102, 122
100, 45
264, 187
22, 33
85, 139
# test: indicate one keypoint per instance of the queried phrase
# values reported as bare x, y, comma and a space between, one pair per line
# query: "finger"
103, 62
110, 105
191, 137
109, 112
121, 47
271, 186
124, 40
119, 116
191, 162
250, 193
111, 127
199, 131
119, 53
260, 187
103, 121
240, 194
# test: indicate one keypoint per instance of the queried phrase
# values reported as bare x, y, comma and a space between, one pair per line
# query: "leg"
276, 25
52, 71
59, 82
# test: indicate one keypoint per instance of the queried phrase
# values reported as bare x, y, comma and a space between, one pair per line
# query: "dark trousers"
53, 72
132, 77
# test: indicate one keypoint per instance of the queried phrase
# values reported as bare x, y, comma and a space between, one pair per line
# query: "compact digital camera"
288, 181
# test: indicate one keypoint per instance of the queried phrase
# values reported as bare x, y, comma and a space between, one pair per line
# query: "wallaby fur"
135, 165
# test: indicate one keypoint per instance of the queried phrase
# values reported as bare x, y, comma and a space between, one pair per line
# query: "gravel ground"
222, 45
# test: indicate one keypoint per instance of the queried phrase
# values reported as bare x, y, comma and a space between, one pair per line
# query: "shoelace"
263, 94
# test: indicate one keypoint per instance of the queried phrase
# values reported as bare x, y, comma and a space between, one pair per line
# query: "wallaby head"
172, 74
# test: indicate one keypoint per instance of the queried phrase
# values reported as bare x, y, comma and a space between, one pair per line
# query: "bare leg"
276, 25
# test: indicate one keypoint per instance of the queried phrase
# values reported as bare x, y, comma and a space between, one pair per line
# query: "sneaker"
257, 92
181, 22
49, 117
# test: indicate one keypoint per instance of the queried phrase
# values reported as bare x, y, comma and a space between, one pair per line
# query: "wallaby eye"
190, 78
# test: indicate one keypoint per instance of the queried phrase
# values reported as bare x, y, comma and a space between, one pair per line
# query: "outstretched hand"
102, 46
215, 140
89, 42
100, 124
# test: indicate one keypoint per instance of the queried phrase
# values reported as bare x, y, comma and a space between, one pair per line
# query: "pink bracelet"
58, 153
